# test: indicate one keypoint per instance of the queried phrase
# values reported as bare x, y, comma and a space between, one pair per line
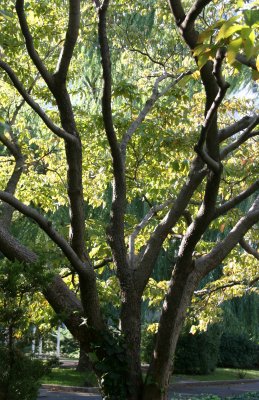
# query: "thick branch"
178, 11
229, 205
116, 229
70, 41
238, 126
194, 12
210, 261
249, 249
223, 86
62, 300
156, 240
35, 106
46, 226
247, 134
9, 145
14, 250
249, 63
30, 45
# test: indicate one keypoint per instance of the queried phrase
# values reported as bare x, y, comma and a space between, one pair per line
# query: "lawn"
220, 374
70, 377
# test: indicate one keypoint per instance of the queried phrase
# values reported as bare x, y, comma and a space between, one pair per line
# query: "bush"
198, 353
238, 351
19, 375
195, 354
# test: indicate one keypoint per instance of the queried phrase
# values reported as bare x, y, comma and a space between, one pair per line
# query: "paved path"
226, 389
47, 395
222, 390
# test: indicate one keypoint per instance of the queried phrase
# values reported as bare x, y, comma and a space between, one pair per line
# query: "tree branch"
30, 45
14, 250
243, 60
116, 228
249, 249
194, 12
209, 291
142, 225
35, 106
210, 261
106, 261
177, 10
46, 226
157, 238
9, 145
223, 86
148, 106
247, 134
70, 41
238, 126
229, 205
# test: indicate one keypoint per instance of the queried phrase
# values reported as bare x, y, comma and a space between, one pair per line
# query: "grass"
69, 377
220, 374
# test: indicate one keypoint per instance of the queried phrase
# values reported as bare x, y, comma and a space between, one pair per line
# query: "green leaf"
228, 28
6, 14
251, 17
248, 36
232, 50
202, 48
202, 60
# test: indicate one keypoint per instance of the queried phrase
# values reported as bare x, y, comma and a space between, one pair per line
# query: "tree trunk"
182, 286
131, 328
84, 363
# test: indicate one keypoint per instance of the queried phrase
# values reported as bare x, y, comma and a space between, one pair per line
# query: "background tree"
165, 131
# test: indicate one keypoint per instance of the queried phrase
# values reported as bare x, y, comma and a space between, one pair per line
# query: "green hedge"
238, 351
198, 353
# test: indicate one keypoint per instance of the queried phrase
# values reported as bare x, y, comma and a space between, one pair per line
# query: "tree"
151, 147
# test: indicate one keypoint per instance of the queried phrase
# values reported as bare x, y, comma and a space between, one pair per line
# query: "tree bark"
182, 286
84, 363
131, 329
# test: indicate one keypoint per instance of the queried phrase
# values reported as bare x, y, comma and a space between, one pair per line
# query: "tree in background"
165, 132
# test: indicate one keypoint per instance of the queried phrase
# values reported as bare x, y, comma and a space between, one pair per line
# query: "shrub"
238, 351
195, 354
19, 375
198, 353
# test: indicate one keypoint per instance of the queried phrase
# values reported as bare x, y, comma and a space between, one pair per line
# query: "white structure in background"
33, 343
58, 342
40, 346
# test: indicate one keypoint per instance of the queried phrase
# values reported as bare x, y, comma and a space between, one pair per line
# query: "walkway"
185, 389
